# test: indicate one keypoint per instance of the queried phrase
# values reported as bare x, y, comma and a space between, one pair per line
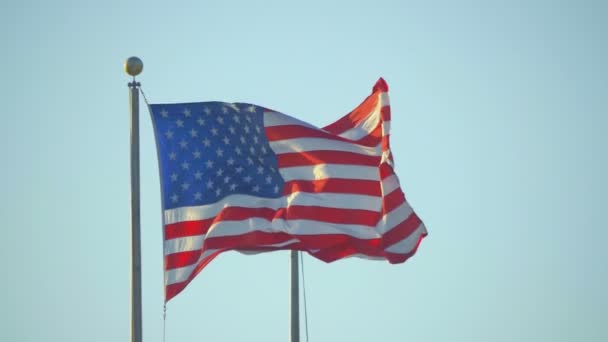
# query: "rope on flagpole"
304, 294
144, 95
164, 322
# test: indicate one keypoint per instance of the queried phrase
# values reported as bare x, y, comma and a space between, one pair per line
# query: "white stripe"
324, 171
393, 218
389, 184
256, 224
370, 122
385, 100
321, 144
280, 119
335, 200
406, 245
402, 247
178, 275
184, 244
274, 245
293, 227
329, 200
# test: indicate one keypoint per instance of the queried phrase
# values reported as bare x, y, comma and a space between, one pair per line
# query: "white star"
232, 187
235, 107
209, 164
248, 118
172, 156
219, 152
258, 129
164, 113
187, 112
174, 198
243, 140
247, 179
185, 186
185, 165
193, 133
276, 189
239, 169
230, 161
273, 170
207, 110
260, 170
249, 161
196, 154
174, 177
236, 118
214, 131
169, 134
251, 109
256, 139
226, 140
219, 172
220, 120
232, 130
226, 179
183, 144
224, 110
206, 142
210, 184
179, 123
238, 151
198, 175
268, 179
218, 191
256, 188
264, 150
252, 150
198, 196
201, 121
246, 128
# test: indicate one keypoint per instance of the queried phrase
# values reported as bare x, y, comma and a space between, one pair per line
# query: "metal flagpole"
133, 67
295, 298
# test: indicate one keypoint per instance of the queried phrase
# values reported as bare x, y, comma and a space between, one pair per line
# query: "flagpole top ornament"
134, 66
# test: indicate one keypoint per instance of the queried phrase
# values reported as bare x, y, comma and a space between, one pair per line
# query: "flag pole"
133, 67
295, 298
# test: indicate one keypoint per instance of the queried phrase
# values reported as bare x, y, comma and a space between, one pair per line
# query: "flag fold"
237, 176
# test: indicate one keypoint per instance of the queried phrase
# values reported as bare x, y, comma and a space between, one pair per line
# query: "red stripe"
392, 200
353, 118
200, 227
386, 171
173, 289
327, 255
385, 113
182, 259
293, 212
401, 231
331, 215
326, 157
335, 185
187, 228
373, 139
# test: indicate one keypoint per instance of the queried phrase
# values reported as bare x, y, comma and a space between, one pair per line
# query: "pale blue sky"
499, 136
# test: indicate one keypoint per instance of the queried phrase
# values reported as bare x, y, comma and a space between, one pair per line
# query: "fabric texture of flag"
237, 176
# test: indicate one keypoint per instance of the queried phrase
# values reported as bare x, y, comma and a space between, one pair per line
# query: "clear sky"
500, 121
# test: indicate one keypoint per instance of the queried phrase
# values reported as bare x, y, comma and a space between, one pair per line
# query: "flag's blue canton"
210, 150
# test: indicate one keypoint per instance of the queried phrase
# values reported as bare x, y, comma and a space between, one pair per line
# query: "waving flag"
237, 176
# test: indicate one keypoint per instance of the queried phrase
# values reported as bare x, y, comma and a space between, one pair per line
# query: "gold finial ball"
134, 66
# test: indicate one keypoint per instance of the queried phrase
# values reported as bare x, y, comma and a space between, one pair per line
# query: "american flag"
237, 176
